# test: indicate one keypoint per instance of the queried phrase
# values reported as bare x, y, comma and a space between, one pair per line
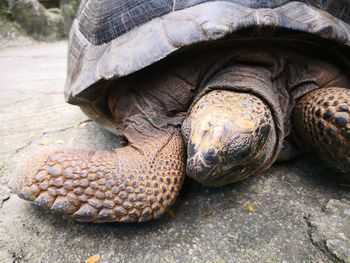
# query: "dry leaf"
171, 213
59, 142
250, 208
207, 213
93, 259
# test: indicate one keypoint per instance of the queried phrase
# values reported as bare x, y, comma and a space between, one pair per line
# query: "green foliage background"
5, 14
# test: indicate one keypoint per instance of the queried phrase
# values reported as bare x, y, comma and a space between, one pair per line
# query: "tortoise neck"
257, 80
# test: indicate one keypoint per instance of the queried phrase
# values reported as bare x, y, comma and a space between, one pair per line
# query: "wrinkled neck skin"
161, 97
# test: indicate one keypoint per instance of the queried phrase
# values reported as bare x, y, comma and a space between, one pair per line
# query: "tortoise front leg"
138, 182
322, 124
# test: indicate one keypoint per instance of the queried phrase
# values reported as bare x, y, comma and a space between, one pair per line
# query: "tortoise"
215, 90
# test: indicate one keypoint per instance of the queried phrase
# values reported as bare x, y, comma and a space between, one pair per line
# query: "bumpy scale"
322, 122
127, 185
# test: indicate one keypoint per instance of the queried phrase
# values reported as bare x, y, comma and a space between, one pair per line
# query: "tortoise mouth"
207, 172
218, 174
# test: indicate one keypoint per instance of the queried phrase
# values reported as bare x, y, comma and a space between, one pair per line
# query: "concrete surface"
330, 229
285, 221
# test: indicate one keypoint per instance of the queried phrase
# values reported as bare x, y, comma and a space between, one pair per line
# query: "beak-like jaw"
214, 148
223, 143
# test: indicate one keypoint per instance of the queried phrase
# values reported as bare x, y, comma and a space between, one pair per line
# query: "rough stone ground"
11, 35
287, 223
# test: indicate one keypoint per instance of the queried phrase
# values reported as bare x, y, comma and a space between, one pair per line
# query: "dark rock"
37, 21
50, 3
44, 20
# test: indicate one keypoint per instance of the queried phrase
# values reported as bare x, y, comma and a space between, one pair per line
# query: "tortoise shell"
114, 38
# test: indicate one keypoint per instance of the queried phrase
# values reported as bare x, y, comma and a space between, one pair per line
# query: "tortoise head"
229, 135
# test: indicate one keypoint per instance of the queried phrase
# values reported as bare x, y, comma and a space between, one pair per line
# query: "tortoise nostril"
211, 151
209, 158
191, 149
196, 167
